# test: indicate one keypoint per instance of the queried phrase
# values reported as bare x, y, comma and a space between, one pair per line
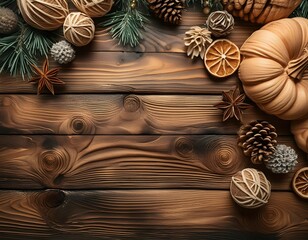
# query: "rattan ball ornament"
250, 189
93, 8
220, 23
78, 29
44, 14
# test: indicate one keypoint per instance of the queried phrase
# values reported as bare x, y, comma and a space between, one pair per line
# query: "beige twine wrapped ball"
250, 189
44, 14
93, 8
78, 29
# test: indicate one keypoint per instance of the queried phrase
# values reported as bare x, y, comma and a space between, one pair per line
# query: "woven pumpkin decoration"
93, 8
250, 189
78, 29
261, 11
299, 128
274, 68
44, 14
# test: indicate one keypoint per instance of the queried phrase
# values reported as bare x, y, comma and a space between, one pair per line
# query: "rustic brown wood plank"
120, 114
127, 162
148, 214
130, 72
166, 38
139, 72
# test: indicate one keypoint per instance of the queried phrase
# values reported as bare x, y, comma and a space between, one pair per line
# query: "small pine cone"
170, 11
220, 23
258, 140
283, 160
197, 39
8, 21
62, 52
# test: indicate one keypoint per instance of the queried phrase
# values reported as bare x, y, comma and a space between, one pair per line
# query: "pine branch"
126, 26
12, 4
125, 4
214, 5
6, 3
20, 50
301, 10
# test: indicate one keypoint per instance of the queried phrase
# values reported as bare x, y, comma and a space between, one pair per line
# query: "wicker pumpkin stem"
298, 66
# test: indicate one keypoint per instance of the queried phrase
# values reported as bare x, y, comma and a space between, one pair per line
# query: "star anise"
46, 78
232, 104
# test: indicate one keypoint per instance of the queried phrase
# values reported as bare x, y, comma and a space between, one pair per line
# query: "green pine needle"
126, 26
20, 50
6, 3
301, 10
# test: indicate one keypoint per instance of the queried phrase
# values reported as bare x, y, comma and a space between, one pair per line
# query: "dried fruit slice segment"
222, 58
300, 182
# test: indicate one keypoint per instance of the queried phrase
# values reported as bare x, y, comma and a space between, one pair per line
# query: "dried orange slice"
300, 182
222, 58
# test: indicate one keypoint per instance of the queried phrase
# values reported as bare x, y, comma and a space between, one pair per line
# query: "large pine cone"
261, 11
258, 140
170, 11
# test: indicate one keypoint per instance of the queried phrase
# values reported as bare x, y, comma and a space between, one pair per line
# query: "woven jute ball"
78, 29
44, 14
93, 8
220, 23
250, 189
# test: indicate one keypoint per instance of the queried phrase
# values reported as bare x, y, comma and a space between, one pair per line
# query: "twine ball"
93, 8
78, 29
44, 14
8, 21
250, 189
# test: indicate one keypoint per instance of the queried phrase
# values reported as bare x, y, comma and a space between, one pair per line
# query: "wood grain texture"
120, 114
166, 38
127, 162
159, 65
148, 214
94, 72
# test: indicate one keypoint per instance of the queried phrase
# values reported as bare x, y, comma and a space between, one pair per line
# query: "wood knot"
273, 218
6, 101
131, 103
184, 147
81, 125
221, 156
54, 198
53, 160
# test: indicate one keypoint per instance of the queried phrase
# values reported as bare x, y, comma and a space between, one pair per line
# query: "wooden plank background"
132, 148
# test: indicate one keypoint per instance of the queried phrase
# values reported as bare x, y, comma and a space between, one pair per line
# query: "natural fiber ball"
62, 52
78, 29
250, 189
93, 8
8, 21
44, 14
283, 159
220, 23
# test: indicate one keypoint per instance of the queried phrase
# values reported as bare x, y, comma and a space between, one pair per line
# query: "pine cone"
283, 160
220, 23
62, 52
170, 11
258, 140
261, 11
8, 21
197, 39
